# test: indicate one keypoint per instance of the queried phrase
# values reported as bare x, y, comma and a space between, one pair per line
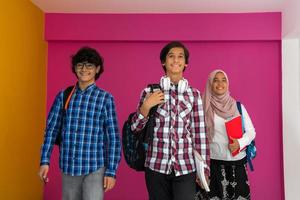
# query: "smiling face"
219, 84
86, 72
175, 61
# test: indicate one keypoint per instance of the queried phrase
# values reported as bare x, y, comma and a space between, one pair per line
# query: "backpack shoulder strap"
67, 95
239, 107
152, 88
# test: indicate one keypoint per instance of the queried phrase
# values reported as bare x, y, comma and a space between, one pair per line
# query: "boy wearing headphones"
179, 129
90, 149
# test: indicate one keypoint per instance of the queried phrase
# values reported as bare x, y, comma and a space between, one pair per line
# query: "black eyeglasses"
87, 65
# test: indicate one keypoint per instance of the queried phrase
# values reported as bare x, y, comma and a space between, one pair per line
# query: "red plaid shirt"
179, 129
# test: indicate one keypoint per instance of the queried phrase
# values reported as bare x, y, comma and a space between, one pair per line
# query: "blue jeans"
87, 187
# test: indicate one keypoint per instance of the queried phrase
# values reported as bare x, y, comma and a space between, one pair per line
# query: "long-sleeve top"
179, 129
219, 145
90, 133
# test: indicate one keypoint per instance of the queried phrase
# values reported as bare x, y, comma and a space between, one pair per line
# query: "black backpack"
135, 144
67, 92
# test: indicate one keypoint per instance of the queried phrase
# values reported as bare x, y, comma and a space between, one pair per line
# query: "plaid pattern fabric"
90, 136
179, 128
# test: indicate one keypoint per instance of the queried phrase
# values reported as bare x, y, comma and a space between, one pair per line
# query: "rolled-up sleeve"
138, 120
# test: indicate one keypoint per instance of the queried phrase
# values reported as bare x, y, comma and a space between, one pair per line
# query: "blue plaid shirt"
90, 135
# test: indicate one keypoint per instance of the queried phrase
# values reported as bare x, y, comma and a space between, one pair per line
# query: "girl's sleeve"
250, 133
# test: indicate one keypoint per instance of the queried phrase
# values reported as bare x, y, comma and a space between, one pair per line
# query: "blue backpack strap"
239, 106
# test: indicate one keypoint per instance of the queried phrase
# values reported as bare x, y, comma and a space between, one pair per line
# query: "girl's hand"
234, 146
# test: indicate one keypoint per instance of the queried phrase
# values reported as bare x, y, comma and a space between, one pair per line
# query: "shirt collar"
87, 89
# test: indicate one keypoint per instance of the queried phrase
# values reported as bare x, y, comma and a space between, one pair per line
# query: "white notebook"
200, 165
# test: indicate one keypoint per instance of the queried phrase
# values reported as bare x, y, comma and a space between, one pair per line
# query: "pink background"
246, 46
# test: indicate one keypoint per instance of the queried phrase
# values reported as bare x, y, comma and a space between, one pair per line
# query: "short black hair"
174, 44
87, 54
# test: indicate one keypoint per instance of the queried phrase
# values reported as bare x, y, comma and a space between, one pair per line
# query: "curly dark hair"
164, 52
87, 54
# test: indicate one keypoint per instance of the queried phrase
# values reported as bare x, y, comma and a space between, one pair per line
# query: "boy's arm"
138, 120
52, 128
200, 140
113, 138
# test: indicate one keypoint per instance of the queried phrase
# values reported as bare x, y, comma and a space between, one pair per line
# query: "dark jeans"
170, 187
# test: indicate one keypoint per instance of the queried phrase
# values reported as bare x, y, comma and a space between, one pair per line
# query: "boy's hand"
151, 100
109, 183
199, 182
44, 169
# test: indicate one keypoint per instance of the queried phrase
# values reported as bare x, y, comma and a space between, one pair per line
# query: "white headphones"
165, 84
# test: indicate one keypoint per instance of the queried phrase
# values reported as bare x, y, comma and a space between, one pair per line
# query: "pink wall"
160, 27
253, 66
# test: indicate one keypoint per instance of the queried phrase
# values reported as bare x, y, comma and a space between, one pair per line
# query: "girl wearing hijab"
228, 178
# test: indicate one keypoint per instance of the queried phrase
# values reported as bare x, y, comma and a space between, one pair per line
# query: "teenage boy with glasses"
90, 149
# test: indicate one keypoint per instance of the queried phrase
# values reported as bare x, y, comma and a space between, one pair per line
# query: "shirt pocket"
184, 110
162, 122
162, 112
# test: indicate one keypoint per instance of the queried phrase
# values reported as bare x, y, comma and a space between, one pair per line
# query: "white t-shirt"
219, 145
